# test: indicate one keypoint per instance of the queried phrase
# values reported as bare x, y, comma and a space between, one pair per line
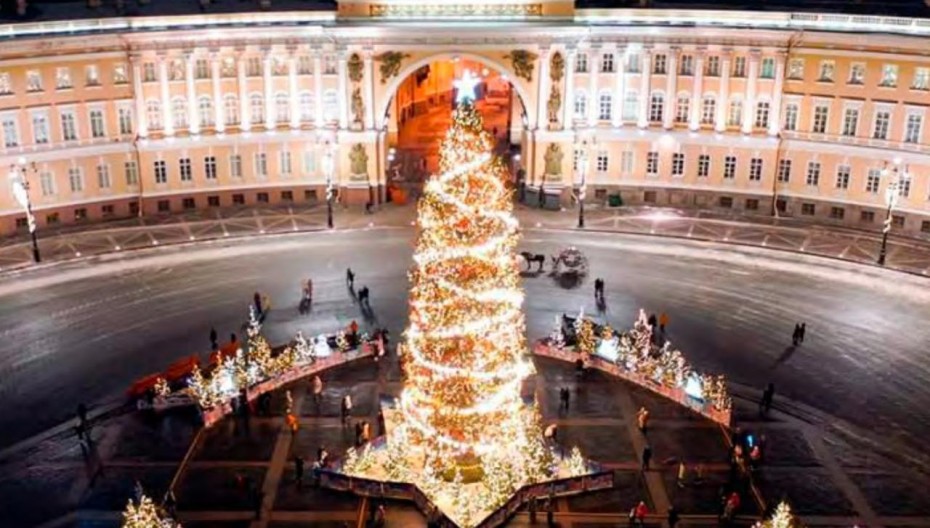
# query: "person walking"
642, 419
346, 409
672, 518
639, 514
317, 390
802, 332
257, 300
647, 457
299, 471
682, 474
796, 335
83, 428
213, 337
350, 278
663, 321
767, 395
564, 397
532, 509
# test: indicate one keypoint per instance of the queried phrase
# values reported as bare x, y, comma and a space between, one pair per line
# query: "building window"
882, 123
796, 69
238, 199
735, 113
253, 67
304, 65
729, 167
678, 164
649, 196
712, 67
784, 170
164, 206
867, 217
605, 107
125, 120
188, 203
161, 172
658, 64
739, 67
633, 63
630, 106
581, 63
768, 68
851, 122
261, 197
80, 214
52, 219
76, 179
209, 167
6, 83
686, 65
235, 166
827, 71
683, 109
282, 108
821, 116
107, 210
307, 107
856, 74
889, 76
904, 187
603, 162
261, 165
40, 128
287, 196
329, 65
176, 70
91, 75
703, 166
63, 79
22, 222
925, 226
607, 63
762, 114
213, 201
10, 131
132, 173
148, 72
921, 79
153, 114
897, 220
179, 112
96, 124
842, 177
752, 204
256, 108
791, 116
725, 202
47, 183
184, 167
755, 169
808, 209
656, 107
873, 180
103, 176
309, 162
330, 106
581, 105
837, 213
284, 158
626, 161
205, 111
230, 109
652, 163
577, 156
201, 69
813, 173
913, 128
708, 109
33, 81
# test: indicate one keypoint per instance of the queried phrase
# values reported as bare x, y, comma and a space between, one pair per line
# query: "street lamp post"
892, 193
582, 189
21, 192
328, 167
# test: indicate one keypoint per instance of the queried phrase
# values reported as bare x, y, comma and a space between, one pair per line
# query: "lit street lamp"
898, 177
582, 170
21, 192
328, 167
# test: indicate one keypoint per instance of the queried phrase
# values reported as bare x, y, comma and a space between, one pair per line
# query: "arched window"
683, 108
231, 109
605, 106
256, 109
205, 111
307, 108
330, 106
153, 114
179, 112
631, 106
735, 112
580, 104
708, 109
656, 106
282, 108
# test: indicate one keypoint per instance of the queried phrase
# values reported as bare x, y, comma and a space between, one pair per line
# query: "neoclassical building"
797, 113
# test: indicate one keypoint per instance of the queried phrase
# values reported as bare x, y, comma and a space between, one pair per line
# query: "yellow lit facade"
728, 110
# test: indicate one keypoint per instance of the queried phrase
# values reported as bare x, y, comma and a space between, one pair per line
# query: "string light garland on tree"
144, 514
781, 518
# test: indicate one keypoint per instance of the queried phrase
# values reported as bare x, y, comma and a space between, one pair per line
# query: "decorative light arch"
492, 64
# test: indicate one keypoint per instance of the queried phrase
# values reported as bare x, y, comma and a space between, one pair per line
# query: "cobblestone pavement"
911, 255
829, 482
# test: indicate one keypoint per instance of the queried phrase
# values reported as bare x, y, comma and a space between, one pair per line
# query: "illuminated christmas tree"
465, 343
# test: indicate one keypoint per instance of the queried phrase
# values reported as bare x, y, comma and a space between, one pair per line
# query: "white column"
619, 87
167, 120
245, 117
643, 120
369, 80
268, 86
193, 116
775, 111
671, 89
294, 96
343, 86
592, 85
723, 97
138, 95
568, 105
219, 109
318, 86
697, 91
749, 112
542, 106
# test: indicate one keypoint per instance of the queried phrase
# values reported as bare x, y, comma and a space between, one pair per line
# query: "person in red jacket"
638, 514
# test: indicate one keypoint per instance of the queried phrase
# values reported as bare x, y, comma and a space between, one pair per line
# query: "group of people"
798, 336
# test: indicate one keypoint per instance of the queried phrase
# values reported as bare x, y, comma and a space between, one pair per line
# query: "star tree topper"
465, 87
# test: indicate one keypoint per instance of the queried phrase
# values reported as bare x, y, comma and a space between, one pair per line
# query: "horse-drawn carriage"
569, 261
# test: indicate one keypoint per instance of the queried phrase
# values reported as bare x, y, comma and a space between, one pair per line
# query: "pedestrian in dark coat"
213, 338
299, 470
796, 335
802, 332
647, 456
257, 299
350, 278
